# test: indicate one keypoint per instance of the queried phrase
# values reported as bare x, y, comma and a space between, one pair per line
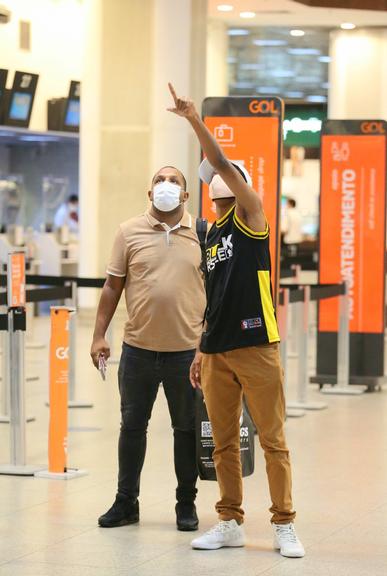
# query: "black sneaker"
121, 513
186, 517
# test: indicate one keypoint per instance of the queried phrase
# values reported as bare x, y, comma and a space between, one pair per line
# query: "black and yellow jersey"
240, 309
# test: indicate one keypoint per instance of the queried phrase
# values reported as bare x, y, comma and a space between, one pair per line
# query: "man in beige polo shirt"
156, 259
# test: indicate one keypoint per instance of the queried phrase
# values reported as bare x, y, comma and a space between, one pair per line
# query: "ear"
185, 196
150, 195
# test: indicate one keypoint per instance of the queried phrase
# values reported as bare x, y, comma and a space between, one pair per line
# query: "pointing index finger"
172, 91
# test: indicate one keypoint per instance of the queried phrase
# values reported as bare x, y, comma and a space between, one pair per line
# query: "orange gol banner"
59, 375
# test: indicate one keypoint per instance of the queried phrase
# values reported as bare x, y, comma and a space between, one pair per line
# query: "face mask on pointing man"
166, 196
218, 188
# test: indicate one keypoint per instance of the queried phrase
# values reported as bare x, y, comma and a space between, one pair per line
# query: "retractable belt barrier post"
59, 384
302, 302
343, 352
283, 325
4, 417
293, 353
301, 296
72, 303
16, 325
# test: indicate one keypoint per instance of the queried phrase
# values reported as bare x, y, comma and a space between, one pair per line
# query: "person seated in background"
67, 214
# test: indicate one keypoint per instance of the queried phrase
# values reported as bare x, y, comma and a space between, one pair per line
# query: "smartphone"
102, 366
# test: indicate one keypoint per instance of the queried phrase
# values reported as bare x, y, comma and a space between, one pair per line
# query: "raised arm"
249, 204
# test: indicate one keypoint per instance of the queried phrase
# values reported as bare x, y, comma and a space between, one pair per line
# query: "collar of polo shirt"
186, 220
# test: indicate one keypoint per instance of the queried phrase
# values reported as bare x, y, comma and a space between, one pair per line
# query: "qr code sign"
206, 430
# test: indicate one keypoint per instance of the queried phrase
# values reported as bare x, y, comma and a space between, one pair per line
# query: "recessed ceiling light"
225, 8
268, 90
316, 98
270, 42
347, 26
308, 79
294, 94
325, 59
303, 51
282, 73
238, 32
297, 32
247, 14
251, 66
243, 85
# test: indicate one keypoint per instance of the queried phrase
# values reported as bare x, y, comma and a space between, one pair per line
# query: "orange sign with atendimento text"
59, 375
352, 227
249, 130
353, 235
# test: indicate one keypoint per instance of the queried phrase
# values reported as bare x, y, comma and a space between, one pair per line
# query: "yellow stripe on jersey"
248, 230
248, 234
223, 219
267, 305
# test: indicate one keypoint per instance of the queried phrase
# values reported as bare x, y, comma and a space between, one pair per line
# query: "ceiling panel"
270, 61
292, 13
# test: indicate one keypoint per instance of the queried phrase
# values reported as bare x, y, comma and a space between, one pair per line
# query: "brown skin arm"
195, 370
248, 204
111, 294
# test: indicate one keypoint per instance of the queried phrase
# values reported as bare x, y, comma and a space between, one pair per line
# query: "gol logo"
263, 107
372, 128
62, 353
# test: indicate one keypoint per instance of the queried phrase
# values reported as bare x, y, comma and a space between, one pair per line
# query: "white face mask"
166, 196
219, 189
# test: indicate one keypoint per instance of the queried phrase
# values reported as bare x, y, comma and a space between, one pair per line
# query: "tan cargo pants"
256, 373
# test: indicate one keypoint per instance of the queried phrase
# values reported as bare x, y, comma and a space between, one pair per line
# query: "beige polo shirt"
164, 289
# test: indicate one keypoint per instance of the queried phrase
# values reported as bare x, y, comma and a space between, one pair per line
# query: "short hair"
73, 198
177, 170
292, 202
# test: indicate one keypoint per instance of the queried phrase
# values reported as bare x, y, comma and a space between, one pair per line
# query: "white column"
133, 49
217, 48
358, 74
90, 146
178, 57
115, 133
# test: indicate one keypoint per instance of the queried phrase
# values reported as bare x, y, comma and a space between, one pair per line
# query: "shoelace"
221, 527
286, 532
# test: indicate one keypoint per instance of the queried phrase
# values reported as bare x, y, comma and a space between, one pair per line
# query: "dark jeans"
139, 375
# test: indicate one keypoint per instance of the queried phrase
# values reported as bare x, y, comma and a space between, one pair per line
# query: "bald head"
171, 174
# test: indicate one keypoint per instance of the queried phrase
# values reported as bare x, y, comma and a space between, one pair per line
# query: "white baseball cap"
207, 172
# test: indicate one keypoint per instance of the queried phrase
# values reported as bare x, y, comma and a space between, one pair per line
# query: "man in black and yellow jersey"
239, 349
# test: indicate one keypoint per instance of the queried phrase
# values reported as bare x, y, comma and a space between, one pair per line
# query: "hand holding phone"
102, 366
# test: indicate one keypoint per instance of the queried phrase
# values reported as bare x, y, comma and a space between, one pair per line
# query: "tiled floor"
49, 528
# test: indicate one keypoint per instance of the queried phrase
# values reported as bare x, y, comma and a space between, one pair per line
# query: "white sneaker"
225, 533
286, 541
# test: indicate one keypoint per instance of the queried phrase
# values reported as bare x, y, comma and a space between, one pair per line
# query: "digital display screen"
20, 106
72, 113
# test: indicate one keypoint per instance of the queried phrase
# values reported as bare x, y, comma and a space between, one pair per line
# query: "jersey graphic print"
220, 252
